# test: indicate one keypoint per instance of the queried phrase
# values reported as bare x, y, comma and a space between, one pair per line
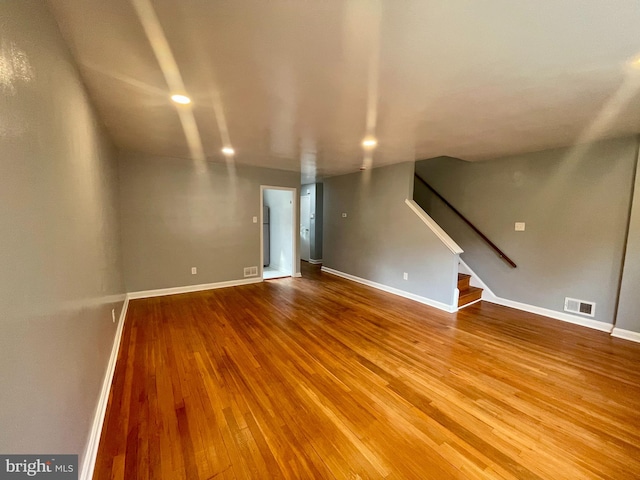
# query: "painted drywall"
178, 213
281, 228
574, 202
381, 238
315, 192
628, 317
60, 270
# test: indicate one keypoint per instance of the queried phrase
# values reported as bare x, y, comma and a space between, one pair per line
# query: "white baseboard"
315, 262
489, 296
161, 292
565, 317
91, 453
395, 291
297, 275
461, 307
625, 334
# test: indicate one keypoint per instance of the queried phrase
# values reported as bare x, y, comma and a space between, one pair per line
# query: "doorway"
305, 227
278, 232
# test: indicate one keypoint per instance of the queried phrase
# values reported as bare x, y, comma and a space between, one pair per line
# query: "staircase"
468, 294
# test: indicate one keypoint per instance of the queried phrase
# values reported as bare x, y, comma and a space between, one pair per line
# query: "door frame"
295, 261
308, 197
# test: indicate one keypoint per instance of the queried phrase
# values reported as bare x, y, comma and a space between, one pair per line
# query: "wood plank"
319, 377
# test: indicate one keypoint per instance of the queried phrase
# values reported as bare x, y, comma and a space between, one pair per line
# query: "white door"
305, 227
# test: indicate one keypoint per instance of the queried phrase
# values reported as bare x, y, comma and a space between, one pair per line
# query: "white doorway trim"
295, 261
305, 219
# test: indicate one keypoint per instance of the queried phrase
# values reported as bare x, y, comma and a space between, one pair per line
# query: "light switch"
519, 226
344, 215
255, 219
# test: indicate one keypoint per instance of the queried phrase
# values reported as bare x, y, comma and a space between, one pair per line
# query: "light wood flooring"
319, 377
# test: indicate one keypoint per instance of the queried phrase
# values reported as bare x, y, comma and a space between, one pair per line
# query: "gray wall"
575, 203
381, 237
628, 317
315, 191
281, 228
176, 214
59, 255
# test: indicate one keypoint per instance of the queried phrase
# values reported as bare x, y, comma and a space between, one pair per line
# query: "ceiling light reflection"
369, 142
181, 99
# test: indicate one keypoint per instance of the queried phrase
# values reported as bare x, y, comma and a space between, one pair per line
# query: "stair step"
463, 281
469, 295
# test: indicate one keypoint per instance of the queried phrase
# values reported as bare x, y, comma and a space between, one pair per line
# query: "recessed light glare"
181, 99
369, 142
228, 151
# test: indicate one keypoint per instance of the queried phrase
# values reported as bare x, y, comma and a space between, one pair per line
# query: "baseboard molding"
625, 334
297, 275
91, 453
489, 296
394, 291
315, 262
565, 317
161, 292
467, 304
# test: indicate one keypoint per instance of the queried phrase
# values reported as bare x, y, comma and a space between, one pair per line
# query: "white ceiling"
297, 84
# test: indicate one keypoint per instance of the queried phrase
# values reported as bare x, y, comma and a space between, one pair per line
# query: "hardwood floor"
319, 377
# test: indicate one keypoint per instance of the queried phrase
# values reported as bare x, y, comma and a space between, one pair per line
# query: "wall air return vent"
580, 307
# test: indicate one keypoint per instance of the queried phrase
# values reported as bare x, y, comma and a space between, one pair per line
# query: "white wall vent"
580, 307
250, 271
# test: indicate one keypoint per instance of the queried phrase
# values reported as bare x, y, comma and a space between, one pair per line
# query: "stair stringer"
476, 281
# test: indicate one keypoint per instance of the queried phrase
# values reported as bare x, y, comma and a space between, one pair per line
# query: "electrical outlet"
344, 214
194, 270
519, 226
405, 275
113, 315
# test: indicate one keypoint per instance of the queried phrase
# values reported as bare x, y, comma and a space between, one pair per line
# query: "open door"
279, 232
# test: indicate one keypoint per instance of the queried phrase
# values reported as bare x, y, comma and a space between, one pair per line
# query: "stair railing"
499, 252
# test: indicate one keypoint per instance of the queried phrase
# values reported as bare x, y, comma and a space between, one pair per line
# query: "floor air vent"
579, 306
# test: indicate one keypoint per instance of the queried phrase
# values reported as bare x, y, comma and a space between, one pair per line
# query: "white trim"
91, 453
565, 317
546, 312
476, 281
470, 303
435, 228
395, 291
295, 260
315, 262
489, 296
625, 334
161, 292
297, 275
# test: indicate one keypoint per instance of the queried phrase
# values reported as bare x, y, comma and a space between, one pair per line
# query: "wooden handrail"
500, 253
